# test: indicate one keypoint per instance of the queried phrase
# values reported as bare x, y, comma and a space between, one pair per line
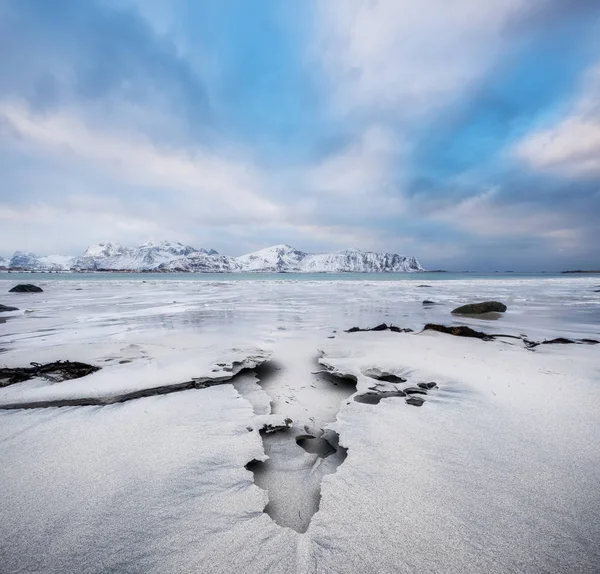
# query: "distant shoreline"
590, 271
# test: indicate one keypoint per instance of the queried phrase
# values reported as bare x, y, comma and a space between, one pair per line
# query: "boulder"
428, 303
479, 308
5, 308
26, 288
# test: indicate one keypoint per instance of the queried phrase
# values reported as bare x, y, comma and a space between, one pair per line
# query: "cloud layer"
462, 133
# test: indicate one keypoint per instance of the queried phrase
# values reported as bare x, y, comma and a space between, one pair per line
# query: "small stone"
414, 401
427, 385
415, 391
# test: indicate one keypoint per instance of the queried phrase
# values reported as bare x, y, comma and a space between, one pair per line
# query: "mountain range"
177, 257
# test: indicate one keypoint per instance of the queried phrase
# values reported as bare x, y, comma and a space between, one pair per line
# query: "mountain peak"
176, 256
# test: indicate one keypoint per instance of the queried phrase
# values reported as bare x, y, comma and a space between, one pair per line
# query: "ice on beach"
496, 472
129, 367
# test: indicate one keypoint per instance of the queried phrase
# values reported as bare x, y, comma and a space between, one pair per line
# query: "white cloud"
225, 186
486, 217
409, 56
365, 171
572, 146
196, 195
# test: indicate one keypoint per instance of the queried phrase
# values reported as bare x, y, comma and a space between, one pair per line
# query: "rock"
382, 375
415, 391
559, 341
54, 372
458, 331
26, 288
382, 327
428, 303
479, 308
374, 397
5, 309
414, 401
427, 385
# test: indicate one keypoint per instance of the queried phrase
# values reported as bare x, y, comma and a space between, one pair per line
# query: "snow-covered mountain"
203, 262
276, 259
144, 257
174, 257
31, 262
356, 261
283, 258
3, 261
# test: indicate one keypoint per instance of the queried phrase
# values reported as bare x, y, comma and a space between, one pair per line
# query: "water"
424, 277
78, 305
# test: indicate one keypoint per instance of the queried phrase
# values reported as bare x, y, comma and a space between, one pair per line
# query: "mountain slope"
273, 259
283, 258
202, 262
355, 261
31, 262
144, 257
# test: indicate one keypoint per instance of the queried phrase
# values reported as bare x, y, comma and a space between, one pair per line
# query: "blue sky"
466, 133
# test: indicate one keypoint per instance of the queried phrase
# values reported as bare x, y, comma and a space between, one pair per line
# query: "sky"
464, 133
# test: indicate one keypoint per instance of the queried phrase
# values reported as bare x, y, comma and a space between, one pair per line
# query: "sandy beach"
295, 446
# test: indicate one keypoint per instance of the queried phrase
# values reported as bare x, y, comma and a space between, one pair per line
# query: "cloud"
230, 186
377, 124
175, 189
409, 57
572, 146
488, 216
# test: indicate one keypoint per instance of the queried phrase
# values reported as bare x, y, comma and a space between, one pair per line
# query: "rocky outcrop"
480, 308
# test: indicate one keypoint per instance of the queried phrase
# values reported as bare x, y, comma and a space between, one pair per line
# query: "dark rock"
428, 303
6, 308
389, 378
479, 308
269, 428
458, 331
427, 385
424, 286
559, 341
382, 327
414, 401
55, 372
374, 397
415, 391
26, 288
